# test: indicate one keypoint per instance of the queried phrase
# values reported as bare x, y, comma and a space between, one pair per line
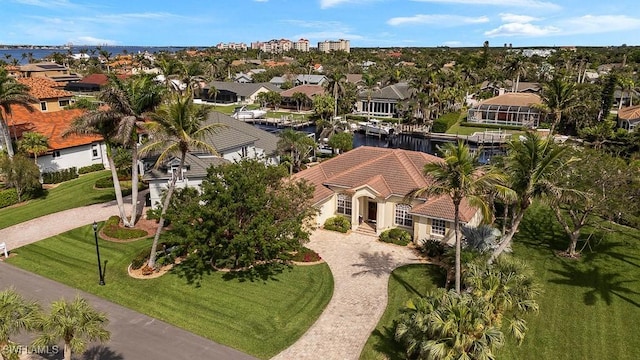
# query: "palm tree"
558, 96
16, 314
336, 87
516, 66
297, 145
117, 124
169, 68
459, 177
446, 325
33, 143
76, 323
300, 98
176, 128
530, 165
370, 84
12, 93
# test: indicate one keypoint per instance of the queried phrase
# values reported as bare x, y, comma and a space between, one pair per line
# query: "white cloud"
261, 0
45, 3
519, 29
325, 4
594, 24
441, 20
513, 18
503, 3
90, 40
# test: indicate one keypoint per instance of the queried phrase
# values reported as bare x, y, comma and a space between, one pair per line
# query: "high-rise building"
301, 45
330, 45
231, 46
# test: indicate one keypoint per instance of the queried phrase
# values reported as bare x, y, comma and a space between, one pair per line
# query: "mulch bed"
150, 226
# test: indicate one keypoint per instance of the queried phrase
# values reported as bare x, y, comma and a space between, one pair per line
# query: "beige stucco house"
368, 186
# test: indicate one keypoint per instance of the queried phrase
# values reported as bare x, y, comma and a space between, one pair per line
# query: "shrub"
306, 255
104, 183
56, 177
90, 168
338, 223
444, 122
112, 229
8, 197
432, 248
491, 126
396, 236
141, 259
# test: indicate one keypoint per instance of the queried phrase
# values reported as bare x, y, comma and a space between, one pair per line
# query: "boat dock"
282, 122
487, 137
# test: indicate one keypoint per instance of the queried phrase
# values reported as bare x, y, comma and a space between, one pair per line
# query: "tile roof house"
513, 109
64, 152
384, 101
310, 79
51, 70
235, 141
91, 83
46, 91
311, 91
368, 184
236, 93
629, 118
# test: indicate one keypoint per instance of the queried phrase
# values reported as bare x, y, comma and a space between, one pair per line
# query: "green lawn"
590, 307
68, 195
258, 317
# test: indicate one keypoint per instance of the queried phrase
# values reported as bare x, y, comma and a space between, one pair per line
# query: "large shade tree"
176, 128
460, 177
12, 93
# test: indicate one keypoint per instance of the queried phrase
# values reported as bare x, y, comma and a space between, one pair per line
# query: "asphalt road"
133, 335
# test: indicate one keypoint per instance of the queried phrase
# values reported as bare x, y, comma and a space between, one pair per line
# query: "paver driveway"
361, 266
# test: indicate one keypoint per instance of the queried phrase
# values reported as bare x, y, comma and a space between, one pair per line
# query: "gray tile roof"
242, 89
311, 79
196, 167
399, 91
263, 139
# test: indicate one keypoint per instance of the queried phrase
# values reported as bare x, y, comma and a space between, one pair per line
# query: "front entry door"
372, 210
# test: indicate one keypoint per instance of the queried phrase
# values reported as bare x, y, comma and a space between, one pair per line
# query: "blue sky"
366, 23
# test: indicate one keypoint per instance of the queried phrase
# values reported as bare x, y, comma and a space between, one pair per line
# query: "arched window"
402, 215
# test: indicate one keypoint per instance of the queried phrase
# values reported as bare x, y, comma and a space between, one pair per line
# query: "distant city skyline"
365, 23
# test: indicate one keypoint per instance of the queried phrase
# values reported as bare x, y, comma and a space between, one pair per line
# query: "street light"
95, 235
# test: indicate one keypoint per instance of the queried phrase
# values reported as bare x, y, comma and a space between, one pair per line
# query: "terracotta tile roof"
50, 124
630, 113
513, 99
43, 88
309, 90
442, 208
385, 171
98, 79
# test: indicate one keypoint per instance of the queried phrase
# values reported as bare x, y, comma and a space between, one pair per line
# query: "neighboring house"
384, 102
507, 86
354, 78
368, 185
629, 118
49, 96
64, 152
235, 141
237, 93
242, 78
51, 70
624, 98
310, 80
514, 109
91, 83
311, 91
278, 81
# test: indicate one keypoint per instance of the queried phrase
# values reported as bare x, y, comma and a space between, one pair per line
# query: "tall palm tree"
12, 93
300, 98
558, 96
336, 87
516, 66
459, 177
446, 325
16, 314
297, 145
530, 165
74, 322
370, 84
33, 143
176, 128
117, 123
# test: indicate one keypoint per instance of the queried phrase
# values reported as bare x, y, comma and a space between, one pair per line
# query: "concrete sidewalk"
133, 335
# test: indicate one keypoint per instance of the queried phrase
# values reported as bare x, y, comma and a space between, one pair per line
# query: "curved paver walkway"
361, 266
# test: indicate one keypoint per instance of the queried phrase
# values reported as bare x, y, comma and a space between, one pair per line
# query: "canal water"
406, 142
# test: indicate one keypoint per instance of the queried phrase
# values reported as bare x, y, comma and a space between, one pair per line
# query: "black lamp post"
95, 234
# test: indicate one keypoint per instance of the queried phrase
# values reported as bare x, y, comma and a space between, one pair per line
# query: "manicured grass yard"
258, 317
68, 195
590, 307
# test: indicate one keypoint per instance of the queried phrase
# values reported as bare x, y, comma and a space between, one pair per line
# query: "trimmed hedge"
104, 183
396, 236
338, 223
90, 168
56, 177
444, 122
491, 126
8, 197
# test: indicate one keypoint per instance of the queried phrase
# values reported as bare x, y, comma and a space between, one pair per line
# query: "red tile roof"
309, 90
43, 88
50, 124
385, 171
513, 99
